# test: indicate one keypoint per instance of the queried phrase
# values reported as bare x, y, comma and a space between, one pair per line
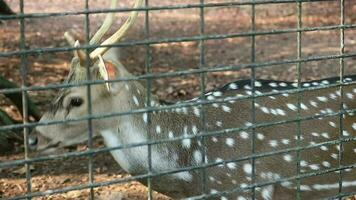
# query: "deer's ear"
108, 71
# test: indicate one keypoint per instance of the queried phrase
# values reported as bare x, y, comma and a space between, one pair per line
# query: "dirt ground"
51, 68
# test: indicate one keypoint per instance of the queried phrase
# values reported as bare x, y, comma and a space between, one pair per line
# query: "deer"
271, 176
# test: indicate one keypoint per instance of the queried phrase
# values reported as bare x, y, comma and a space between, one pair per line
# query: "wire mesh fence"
202, 71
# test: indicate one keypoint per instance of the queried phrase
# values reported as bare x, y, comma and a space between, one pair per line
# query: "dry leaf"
22, 170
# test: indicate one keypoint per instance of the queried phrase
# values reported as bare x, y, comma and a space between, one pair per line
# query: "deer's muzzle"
38, 142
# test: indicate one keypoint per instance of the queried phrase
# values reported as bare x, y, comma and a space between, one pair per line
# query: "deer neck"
133, 129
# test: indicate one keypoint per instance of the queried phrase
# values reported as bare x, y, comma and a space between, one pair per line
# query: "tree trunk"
5, 9
8, 137
16, 98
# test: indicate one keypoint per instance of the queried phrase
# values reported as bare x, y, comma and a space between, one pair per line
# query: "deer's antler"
103, 29
106, 25
119, 33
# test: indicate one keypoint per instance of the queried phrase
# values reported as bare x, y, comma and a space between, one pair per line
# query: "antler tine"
119, 33
70, 39
106, 25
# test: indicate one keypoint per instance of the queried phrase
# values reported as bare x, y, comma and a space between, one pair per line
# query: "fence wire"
202, 71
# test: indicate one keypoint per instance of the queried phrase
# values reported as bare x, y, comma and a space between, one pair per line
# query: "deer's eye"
76, 102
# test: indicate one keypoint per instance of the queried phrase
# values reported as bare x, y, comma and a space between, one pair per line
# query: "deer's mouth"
48, 148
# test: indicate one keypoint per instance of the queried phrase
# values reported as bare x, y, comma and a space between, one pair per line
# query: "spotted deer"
226, 155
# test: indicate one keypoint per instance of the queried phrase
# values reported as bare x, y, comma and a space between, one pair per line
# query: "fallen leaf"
22, 170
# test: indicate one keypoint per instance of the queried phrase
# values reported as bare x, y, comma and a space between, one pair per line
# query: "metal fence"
24, 52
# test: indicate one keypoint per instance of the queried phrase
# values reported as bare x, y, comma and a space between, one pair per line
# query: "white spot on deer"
212, 179
194, 130
186, 143
247, 168
226, 108
350, 95
292, 106
287, 158
196, 111
303, 106
345, 133
170, 134
322, 99
314, 167
158, 129
273, 143
230, 142
218, 123
247, 87
217, 93
348, 79
325, 135
233, 86
210, 98
223, 198
313, 103
326, 164
267, 192
214, 139
315, 134
283, 84
281, 112
213, 191
305, 188
241, 198
285, 141
265, 110
306, 85
285, 94
219, 160
135, 100
325, 82
332, 96
354, 126
243, 135
198, 158
127, 87
303, 163
324, 148
272, 84
334, 155
243, 185
273, 111
185, 110
332, 124
286, 184
248, 124
260, 136
258, 84
231, 165
144, 117
215, 105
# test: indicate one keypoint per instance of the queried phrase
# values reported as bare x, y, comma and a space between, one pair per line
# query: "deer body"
228, 166
237, 113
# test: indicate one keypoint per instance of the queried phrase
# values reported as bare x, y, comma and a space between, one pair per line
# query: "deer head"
72, 103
